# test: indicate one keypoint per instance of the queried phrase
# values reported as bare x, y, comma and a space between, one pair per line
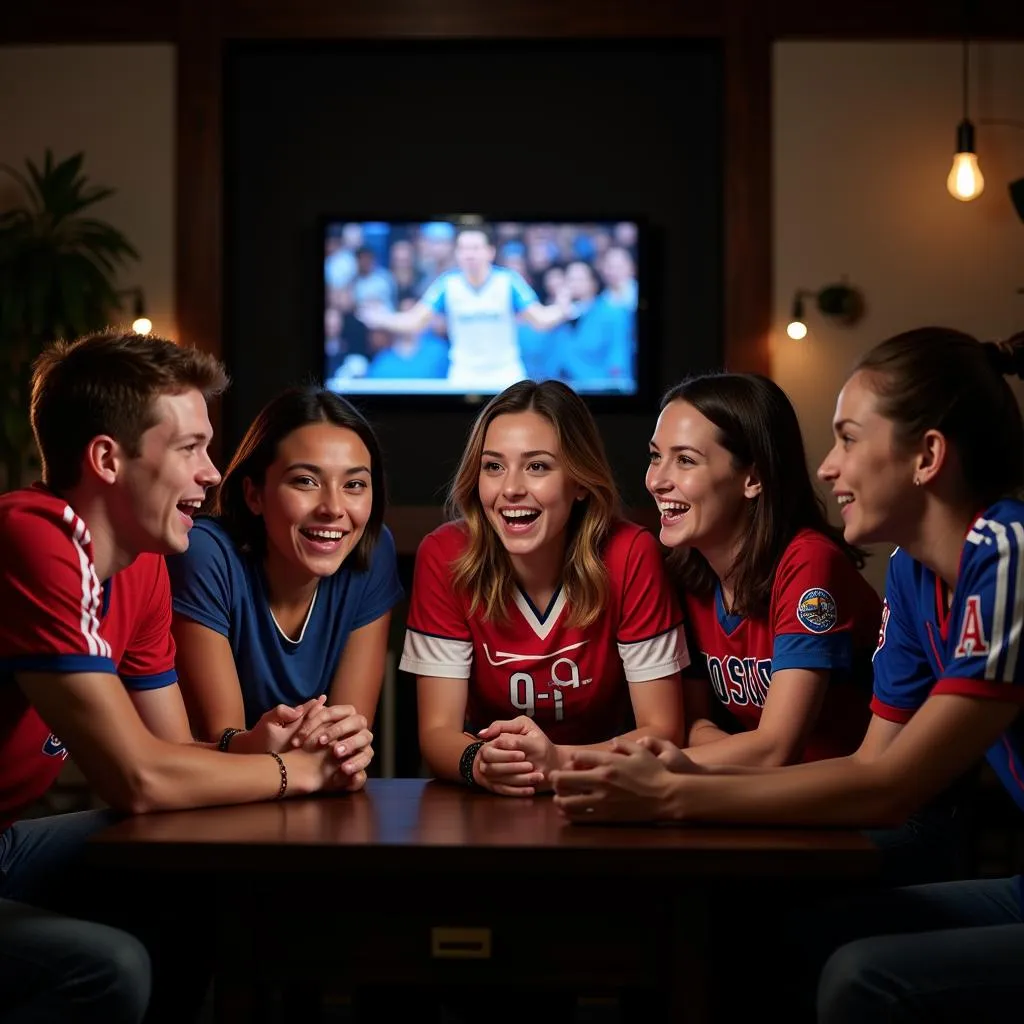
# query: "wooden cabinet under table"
427, 883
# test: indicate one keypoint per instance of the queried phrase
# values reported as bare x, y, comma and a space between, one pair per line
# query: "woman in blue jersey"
928, 455
282, 602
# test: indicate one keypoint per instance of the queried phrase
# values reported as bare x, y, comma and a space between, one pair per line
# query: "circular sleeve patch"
816, 610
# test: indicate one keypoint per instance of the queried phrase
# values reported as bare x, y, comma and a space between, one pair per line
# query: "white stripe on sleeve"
426, 655
660, 656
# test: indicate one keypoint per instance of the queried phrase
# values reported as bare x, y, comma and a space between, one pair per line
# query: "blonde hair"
484, 569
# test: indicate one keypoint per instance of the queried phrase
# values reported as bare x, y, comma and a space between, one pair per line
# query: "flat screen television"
459, 307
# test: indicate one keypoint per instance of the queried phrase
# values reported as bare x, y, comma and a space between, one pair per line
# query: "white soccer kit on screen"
482, 329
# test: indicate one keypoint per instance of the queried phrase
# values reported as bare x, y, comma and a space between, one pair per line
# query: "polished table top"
416, 825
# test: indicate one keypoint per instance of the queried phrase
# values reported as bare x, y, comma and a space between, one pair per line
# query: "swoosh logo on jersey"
499, 658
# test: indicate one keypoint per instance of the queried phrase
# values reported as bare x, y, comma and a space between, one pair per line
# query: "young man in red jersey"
87, 660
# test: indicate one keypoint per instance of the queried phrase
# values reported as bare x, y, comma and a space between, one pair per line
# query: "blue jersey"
219, 587
596, 347
482, 325
971, 649
428, 361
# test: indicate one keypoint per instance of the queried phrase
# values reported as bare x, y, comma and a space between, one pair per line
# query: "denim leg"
955, 975
41, 864
949, 951
38, 857
55, 968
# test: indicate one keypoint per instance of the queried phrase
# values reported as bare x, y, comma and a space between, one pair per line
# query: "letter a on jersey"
972, 635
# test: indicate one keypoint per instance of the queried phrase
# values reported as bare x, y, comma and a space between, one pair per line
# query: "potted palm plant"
57, 280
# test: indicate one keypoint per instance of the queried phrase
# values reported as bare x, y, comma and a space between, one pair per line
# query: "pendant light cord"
966, 68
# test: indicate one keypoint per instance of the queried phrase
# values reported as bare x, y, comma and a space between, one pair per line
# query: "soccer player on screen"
481, 303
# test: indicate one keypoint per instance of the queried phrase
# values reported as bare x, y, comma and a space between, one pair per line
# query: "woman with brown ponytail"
928, 455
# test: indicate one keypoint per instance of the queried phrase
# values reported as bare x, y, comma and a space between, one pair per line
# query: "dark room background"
378, 131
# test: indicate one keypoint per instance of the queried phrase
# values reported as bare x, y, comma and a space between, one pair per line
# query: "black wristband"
466, 764
226, 737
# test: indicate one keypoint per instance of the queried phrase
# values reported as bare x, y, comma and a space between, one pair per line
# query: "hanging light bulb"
965, 181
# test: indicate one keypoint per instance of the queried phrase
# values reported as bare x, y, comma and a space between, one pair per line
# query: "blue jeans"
54, 967
41, 864
934, 844
950, 951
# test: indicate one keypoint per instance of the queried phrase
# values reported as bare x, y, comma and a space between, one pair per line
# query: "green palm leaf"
57, 280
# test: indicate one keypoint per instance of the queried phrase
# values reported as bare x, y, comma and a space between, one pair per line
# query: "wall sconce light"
1016, 188
965, 181
839, 302
1017, 196
141, 324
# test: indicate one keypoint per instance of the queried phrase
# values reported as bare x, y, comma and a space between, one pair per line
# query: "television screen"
464, 306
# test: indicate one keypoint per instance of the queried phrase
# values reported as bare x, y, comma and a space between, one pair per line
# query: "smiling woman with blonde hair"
540, 621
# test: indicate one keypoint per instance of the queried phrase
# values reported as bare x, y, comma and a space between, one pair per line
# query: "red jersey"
822, 615
58, 617
574, 682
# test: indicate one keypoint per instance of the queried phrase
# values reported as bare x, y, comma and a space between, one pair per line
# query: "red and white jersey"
822, 615
58, 617
574, 682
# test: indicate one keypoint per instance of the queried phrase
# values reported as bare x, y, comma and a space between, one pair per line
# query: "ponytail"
1007, 357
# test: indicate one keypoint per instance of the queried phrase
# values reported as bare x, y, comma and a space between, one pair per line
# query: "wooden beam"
455, 19
199, 184
747, 197
94, 21
72, 21
907, 20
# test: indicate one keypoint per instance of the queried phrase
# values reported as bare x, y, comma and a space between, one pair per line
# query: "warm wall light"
141, 324
796, 328
1017, 196
965, 180
838, 302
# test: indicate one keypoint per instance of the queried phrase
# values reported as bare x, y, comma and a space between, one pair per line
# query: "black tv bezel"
646, 313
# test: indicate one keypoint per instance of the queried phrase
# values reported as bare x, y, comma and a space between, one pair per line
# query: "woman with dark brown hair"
282, 602
781, 623
540, 621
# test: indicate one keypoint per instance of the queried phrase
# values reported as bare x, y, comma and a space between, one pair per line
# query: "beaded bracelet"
226, 737
284, 774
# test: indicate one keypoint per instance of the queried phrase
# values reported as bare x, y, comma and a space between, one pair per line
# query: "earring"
917, 480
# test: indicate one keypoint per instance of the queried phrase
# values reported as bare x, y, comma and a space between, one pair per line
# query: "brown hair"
294, 408
484, 569
936, 378
106, 383
757, 425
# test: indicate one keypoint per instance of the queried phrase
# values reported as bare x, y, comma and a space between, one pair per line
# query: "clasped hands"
337, 730
628, 782
517, 758
631, 782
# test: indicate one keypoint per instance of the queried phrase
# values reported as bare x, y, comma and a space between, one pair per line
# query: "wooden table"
430, 883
